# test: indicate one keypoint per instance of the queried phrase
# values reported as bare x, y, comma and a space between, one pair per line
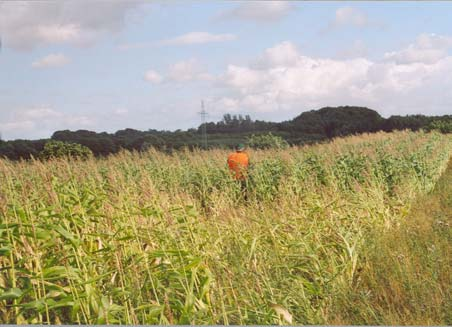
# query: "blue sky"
109, 65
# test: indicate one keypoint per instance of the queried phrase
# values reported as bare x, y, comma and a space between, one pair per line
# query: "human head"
240, 147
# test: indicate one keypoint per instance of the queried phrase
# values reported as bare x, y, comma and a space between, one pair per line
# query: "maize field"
153, 238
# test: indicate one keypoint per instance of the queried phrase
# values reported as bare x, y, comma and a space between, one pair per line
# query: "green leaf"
38, 305
67, 235
12, 293
4, 251
57, 271
44, 234
65, 302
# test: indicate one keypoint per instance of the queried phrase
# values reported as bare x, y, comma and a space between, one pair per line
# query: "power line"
203, 114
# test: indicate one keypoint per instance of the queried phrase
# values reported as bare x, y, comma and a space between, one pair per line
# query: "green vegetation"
326, 236
267, 141
58, 149
410, 268
307, 128
443, 126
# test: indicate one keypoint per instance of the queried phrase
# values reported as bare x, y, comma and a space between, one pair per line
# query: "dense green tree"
59, 149
308, 127
21, 149
331, 122
443, 126
98, 143
412, 122
267, 141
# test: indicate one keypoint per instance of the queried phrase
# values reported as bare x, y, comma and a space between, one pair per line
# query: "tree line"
308, 127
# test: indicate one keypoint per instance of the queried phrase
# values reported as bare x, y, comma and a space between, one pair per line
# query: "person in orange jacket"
238, 163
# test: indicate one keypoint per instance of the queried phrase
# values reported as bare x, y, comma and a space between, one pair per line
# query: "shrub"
443, 126
58, 149
267, 141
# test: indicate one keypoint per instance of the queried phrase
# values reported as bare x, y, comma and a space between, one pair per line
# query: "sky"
110, 65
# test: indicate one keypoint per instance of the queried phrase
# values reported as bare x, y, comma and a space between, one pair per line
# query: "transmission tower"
204, 114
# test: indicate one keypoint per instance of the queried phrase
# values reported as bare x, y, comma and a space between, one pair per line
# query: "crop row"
152, 238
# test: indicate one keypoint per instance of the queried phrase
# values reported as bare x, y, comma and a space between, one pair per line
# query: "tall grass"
149, 238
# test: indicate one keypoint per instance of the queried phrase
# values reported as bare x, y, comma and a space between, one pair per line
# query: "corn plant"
155, 238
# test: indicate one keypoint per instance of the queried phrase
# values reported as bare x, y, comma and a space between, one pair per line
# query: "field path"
410, 270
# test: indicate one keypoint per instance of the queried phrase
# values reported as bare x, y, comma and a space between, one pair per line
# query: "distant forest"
308, 127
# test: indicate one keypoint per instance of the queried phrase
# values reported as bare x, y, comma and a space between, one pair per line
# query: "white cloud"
245, 79
121, 111
138, 45
301, 75
41, 122
198, 38
181, 40
357, 50
22, 126
283, 54
39, 114
27, 24
283, 79
260, 11
74, 121
181, 71
153, 77
428, 48
350, 16
428, 41
51, 60
184, 71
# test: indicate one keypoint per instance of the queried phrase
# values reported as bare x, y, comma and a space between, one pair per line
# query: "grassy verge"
407, 277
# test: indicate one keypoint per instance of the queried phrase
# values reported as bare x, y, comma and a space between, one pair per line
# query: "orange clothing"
238, 164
